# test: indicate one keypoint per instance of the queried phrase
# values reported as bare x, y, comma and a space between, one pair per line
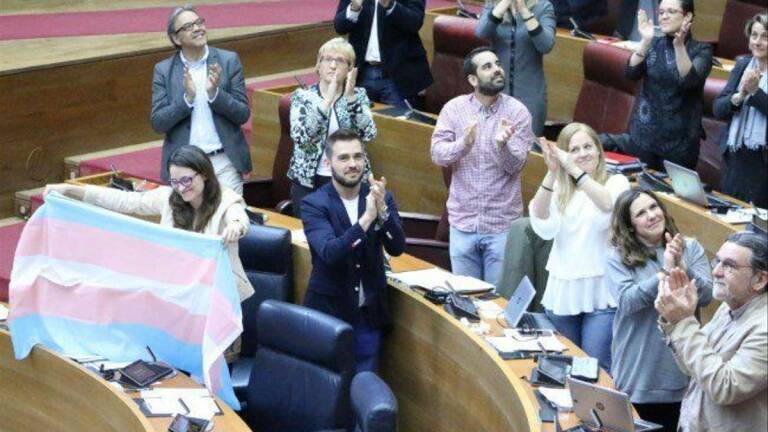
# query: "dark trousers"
665, 414
379, 86
298, 192
622, 143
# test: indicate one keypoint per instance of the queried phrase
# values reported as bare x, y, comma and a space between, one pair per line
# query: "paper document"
559, 397
164, 406
435, 278
3, 313
508, 344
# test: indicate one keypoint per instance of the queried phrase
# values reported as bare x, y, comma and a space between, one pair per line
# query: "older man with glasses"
199, 98
727, 359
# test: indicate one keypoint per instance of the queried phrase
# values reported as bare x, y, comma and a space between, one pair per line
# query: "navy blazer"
343, 255
171, 115
724, 109
402, 53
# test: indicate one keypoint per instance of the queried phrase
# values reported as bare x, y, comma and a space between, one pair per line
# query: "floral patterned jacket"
309, 129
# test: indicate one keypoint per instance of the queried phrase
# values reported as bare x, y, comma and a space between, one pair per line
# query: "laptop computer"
515, 312
687, 185
608, 409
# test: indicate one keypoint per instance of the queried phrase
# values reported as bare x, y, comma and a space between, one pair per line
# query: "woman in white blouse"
573, 206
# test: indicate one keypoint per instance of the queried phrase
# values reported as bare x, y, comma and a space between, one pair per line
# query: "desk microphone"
301, 83
577, 32
464, 12
151, 354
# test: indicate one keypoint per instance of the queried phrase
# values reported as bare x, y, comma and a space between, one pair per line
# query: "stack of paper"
508, 345
558, 397
197, 402
3, 313
436, 278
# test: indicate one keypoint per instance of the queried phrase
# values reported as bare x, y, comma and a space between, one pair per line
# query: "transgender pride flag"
88, 281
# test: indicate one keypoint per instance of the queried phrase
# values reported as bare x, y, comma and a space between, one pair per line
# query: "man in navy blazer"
390, 56
199, 98
346, 223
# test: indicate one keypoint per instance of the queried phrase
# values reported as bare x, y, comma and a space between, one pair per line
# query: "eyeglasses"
337, 60
668, 11
183, 182
728, 266
200, 22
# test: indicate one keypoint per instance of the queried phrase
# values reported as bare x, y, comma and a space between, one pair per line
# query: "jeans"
478, 255
592, 332
380, 87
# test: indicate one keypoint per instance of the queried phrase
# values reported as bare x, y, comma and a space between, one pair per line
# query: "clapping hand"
750, 82
470, 133
385, 3
685, 28
379, 192
214, 72
644, 26
189, 86
677, 296
673, 253
504, 132
349, 86
550, 157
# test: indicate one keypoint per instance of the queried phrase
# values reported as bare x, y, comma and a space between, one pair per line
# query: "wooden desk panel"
48, 392
445, 377
98, 104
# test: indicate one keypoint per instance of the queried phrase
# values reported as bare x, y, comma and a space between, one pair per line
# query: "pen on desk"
181, 401
541, 346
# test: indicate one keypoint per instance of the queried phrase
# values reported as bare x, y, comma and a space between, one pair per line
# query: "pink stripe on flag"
99, 305
225, 323
215, 375
168, 265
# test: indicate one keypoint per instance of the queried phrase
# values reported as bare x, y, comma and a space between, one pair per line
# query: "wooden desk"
563, 67
49, 392
445, 377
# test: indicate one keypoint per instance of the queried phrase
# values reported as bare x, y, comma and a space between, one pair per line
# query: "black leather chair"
267, 256
373, 404
302, 371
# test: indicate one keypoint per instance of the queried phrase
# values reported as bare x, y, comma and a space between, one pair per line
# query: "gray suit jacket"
171, 115
528, 84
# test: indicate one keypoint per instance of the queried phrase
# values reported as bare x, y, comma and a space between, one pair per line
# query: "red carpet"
143, 20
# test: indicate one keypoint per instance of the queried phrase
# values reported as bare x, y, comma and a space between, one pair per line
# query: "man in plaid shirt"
484, 138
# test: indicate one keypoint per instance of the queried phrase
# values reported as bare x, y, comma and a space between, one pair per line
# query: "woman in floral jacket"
316, 112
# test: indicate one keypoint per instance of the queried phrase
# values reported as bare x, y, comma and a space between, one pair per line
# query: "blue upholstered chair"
267, 257
373, 404
302, 371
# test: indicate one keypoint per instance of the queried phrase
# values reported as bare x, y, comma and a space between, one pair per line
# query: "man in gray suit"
198, 98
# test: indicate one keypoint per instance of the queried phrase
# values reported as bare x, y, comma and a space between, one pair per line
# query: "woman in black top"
744, 104
666, 123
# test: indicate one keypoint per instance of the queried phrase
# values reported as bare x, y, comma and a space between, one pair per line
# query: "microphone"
301, 83
464, 12
577, 32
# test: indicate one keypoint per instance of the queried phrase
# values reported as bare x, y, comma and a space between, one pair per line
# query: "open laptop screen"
519, 301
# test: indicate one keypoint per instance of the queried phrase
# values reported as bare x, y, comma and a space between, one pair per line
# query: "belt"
215, 152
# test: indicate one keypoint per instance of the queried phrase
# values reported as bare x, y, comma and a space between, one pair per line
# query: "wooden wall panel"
49, 114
